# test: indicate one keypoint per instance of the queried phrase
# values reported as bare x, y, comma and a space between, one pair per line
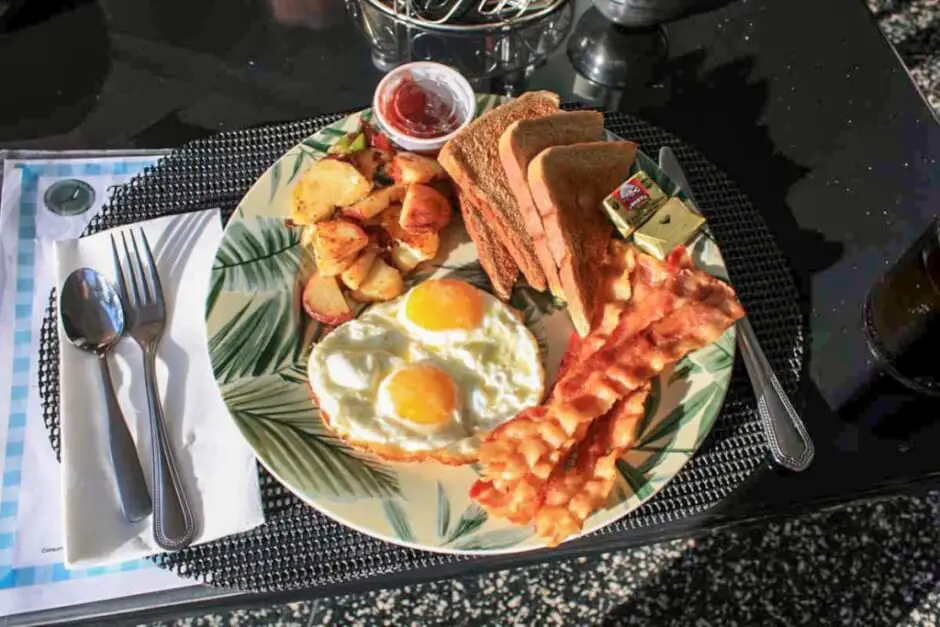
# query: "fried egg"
427, 375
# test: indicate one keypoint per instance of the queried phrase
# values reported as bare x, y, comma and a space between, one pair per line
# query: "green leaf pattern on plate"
443, 511
258, 255
471, 519
397, 517
260, 340
277, 418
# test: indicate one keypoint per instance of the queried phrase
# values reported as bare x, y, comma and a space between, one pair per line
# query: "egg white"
496, 368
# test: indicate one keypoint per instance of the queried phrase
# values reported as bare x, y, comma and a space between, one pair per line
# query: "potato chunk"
383, 283
424, 208
324, 301
408, 168
324, 186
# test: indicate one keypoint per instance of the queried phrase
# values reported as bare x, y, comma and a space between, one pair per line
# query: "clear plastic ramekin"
442, 77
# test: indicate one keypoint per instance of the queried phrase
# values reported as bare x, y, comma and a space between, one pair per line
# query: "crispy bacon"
674, 309
702, 308
577, 488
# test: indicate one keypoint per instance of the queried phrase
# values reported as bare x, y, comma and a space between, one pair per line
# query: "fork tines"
137, 276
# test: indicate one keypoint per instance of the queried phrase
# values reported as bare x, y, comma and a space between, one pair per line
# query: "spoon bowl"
92, 313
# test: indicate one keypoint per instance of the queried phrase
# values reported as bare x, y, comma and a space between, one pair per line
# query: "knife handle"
789, 442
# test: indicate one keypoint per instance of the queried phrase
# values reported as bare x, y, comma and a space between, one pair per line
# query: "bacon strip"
577, 490
628, 359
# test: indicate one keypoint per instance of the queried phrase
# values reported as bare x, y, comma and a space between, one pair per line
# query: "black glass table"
803, 104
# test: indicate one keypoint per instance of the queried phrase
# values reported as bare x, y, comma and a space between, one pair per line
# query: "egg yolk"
423, 394
445, 304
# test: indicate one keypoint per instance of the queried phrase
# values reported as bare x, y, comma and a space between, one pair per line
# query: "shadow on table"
870, 565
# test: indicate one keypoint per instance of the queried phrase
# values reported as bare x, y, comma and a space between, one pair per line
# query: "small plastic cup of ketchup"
421, 105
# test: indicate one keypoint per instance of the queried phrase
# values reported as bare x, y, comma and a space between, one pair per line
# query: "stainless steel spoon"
93, 319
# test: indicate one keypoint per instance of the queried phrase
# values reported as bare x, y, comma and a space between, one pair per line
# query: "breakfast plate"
260, 341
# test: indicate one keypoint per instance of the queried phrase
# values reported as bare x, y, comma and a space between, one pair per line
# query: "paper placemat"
46, 198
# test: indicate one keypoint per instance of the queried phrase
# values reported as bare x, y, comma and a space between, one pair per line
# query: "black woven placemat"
299, 547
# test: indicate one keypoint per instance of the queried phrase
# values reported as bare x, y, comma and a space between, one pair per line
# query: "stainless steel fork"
173, 523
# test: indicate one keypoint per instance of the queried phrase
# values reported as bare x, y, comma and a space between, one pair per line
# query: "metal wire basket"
466, 15
494, 57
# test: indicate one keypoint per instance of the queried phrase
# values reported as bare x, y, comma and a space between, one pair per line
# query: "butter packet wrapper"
633, 203
674, 223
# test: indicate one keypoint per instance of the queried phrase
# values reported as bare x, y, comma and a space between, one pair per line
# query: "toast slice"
495, 259
472, 161
568, 185
518, 146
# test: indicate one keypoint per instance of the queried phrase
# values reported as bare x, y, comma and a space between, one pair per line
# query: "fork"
173, 524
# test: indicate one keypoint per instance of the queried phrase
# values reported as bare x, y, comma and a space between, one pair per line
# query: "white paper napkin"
216, 465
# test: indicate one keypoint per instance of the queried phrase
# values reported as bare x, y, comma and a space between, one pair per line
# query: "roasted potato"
423, 243
337, 239
324, 301
375, 203
424, 208
383, 283
324, 186
408, 168
333, 267
354, 275
404, 258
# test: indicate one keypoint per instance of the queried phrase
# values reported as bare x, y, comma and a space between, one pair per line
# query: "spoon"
93, 319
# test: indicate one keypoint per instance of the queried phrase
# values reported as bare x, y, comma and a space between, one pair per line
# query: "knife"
789, 443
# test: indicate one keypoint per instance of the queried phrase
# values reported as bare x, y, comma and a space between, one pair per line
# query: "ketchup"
417, 111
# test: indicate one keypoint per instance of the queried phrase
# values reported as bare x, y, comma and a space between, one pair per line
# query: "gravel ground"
913, 27
870, 564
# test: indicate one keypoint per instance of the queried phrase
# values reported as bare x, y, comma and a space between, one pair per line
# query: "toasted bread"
519, 144
568, 185
472, 161
495, 259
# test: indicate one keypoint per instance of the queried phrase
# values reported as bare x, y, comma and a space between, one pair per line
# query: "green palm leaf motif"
275, 179
656, 456
637, 481
493, 540
679, 416
726, 341
534, 305
398, 519
652, 406
316, 145
712, 358
264, 337
683, 370
299, 160
470, 520
216, 283
711, 413
280, 422
443, 511
258, 255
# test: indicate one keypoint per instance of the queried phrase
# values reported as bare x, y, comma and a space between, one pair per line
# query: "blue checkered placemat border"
24, 353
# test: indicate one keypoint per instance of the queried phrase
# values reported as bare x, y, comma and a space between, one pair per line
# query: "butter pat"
674, 223
633, 203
